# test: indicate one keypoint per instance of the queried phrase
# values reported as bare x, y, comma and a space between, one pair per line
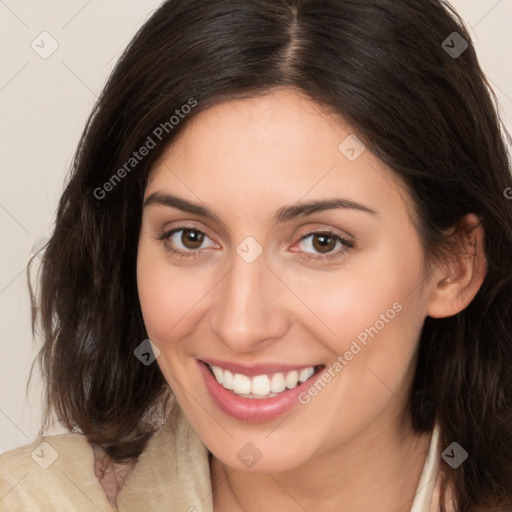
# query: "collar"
173, 473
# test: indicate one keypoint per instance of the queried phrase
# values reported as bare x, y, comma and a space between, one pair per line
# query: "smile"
257, 393
260, 386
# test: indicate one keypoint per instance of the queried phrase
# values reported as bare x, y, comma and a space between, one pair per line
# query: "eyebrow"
284, 213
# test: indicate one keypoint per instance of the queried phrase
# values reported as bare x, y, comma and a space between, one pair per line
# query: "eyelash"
165, 235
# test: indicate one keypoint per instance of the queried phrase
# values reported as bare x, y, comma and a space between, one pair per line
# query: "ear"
457, 282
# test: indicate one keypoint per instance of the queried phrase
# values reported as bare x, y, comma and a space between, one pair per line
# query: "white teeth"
227, 381
305, 374
219, 374
261, 386
258, 397
241, 384
291, 379
277, 383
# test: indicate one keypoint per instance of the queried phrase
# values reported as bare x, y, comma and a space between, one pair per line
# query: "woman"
303, 205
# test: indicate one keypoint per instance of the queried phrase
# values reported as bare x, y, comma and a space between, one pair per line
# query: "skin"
245, 159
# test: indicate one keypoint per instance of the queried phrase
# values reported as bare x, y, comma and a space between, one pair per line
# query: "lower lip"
256, 409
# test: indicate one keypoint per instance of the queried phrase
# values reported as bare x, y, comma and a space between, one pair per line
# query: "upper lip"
255, 369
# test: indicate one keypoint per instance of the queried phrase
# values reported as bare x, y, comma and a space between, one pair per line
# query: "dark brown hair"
431, 116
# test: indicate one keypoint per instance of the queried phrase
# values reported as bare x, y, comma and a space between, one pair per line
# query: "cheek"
374, 313
374, 295
169, 300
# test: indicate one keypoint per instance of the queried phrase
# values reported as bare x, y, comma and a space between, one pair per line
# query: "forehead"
276, 148
281, 122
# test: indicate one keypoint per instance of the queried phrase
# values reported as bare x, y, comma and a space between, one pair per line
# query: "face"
239, 278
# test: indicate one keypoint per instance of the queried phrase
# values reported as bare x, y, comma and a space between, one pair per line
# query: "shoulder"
51, 473
172, 473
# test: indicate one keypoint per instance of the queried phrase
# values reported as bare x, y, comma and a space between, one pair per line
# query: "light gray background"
43, 107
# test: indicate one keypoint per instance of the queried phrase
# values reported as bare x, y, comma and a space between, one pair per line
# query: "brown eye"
192, 238
186, 242
324, 242
324, 246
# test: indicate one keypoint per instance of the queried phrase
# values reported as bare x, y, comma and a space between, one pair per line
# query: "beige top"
56, 473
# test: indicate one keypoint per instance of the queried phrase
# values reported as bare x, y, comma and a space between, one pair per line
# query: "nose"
248, 310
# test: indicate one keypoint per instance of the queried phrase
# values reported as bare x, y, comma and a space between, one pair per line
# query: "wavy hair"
384, 67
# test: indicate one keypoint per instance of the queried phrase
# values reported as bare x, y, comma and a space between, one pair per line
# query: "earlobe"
457, 283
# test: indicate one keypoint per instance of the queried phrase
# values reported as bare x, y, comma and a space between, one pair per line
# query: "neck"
377, 471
